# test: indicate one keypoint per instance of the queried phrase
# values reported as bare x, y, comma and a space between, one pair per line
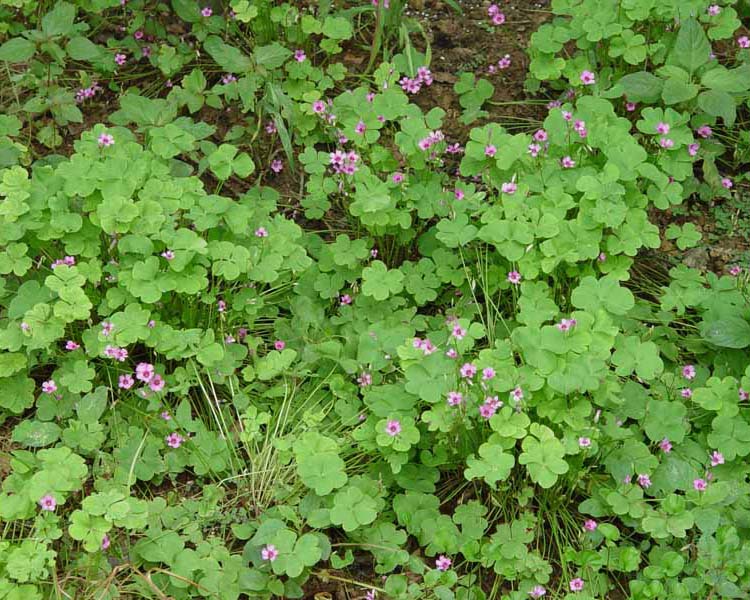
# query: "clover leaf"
543, 456
379, 282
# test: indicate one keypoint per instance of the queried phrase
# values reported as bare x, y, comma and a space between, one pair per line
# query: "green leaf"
16, 393
592, 294
353, 509
729, 332
543, 456
493, 464
691, 48
665, 419
641, 86
718, 104
380, 282
36, 434
228, 57
676, 91
59, 21
275, 363
17, 50
81, 48
726, 80
271, 56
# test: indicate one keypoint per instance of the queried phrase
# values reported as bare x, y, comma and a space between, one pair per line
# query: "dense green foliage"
255, 326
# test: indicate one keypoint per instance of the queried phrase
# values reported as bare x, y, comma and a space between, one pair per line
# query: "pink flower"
144, 371
458, 194
468, 370
514, 277
686, 393
299, 55
454, 148
534, 150
735, 270
743, 394
174, 440
443, 563
714, 10
567, 116
125, 382
726, 183
393, 428
490, 150
221, 306
688, 372
374, 253
25, 326
455, 398
151, 324
584, 442
270, 127
370, 96
104, 140
537, 591
567, 162
717, 458
630, 106
588, 78
47, 502
666, 446
167, 255
516, 394
397, 177
693, 149
319, 107
360, 128
261, 232
138, 35
540, 135
576, 585
590, 525
451, 353
498, 19
602, 257
269, 553
71, 345
156, 383
662, 128
566, 324
277, 166
509, 188
345, 300
704, 131
120, 59
166, 416
206, 11
488, 373
504, 62
666, 143
105, 542
644, 481
279, 345
49, 387
364, 379
107, 328
487, 410
699, 485
743, 41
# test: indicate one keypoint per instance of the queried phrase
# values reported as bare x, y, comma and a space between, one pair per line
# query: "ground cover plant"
275, 325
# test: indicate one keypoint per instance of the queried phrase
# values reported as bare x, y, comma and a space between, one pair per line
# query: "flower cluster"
344, 162
414, 85
87, 93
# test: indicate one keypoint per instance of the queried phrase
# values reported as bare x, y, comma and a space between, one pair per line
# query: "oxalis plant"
429, 367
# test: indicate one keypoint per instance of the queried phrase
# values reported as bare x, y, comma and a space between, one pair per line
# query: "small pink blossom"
743, 394
393, 428
468, 370
299, 55
319, 107
165, 415
584, 442
567, 162
537, 591
105, 542
704, 131
590, 525
270, 127
490, 150
504, 62
49, 387
25, 326
107, 328
540, 135
509, 188
458, 193
174, 440
144, 371
686, 393
717, 458
588, 78
443, 563
576, 585
455, 398
360, 128
168, 255
451, 353
221, 306
105, 140
345, 300
735, 270
364, 379
120, 59
156, 383
71, 345
125, 382
727, 183
665, 445
206, 11
714, 10
693, 149
743, 41
688, 372
454, 148
48, 503
514, 277
516, 394
269, 553
458, 332
534, 150
630, 106
138, 35
488, 373
644, 481
397, 177
662, 128
277, 166
487, 410
261, 232
279, 345
666, 143
699, 485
